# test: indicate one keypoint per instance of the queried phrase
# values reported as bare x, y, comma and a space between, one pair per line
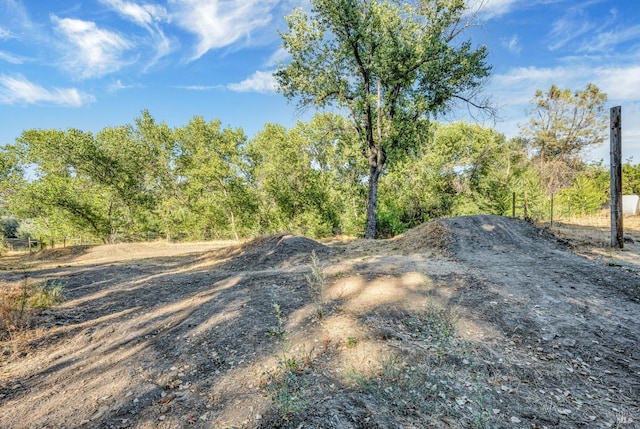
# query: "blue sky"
95, 63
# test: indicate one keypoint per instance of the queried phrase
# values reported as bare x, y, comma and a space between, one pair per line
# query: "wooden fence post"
513, 205
551, 212
615, 129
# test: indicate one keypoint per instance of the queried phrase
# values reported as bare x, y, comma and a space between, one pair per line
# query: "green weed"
317, 282
277, 330
286, 383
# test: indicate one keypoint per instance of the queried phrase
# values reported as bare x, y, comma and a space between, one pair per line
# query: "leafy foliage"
630, 178
463, 169
387, 63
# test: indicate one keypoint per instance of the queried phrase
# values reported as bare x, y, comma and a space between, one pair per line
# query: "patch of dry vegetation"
431, 236
20, 301
591, 237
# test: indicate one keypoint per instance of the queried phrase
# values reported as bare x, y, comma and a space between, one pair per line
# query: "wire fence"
578, 210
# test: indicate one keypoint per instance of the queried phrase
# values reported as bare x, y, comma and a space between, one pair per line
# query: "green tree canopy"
463, 169
387, 63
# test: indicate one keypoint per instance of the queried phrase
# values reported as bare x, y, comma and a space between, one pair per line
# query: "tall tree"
562, 125
211, 164
387, 62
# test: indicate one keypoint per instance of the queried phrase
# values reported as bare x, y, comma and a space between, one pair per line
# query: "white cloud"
220, 23
93, 52
260, 81
568, 28
149, 17
5, 33
512, 44
143, 15
18, 90
117, 85
201, 87
608, 40
278, 56
489, 9
620, 83
15, 12
10, 58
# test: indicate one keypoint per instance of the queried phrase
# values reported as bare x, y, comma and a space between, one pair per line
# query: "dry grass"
432, 236
594, 230
591, 237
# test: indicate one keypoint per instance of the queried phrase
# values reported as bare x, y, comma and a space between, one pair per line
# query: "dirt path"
477, 321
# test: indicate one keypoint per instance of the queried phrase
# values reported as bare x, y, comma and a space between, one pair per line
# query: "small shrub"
45, 295
17, 303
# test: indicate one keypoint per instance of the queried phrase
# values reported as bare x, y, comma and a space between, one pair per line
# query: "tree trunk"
372, 204
233, 218
377, 159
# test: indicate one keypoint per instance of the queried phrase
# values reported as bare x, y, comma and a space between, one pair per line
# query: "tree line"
384, 166
201, 181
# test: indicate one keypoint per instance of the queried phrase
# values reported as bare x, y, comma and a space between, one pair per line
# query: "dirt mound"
481, 233
61, 253
273, 251
432, 235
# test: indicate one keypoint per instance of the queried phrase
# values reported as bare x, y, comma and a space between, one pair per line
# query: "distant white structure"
630, 205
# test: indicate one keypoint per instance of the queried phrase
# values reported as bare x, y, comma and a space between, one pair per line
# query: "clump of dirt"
272, 251
430, 236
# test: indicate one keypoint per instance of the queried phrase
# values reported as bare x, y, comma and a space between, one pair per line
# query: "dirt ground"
470, 322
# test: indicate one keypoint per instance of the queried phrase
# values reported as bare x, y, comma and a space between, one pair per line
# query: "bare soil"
478, 321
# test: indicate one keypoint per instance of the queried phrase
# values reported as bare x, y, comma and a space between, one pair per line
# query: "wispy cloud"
19, 90
201, 87
117, 85
607, 40
92, 51
512, 44
149, 17
569, 28
10, 58
491, 8
591, 35
141, 14
220, 23
14, 11
260, 81
5, 33
620, 83
278, 56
